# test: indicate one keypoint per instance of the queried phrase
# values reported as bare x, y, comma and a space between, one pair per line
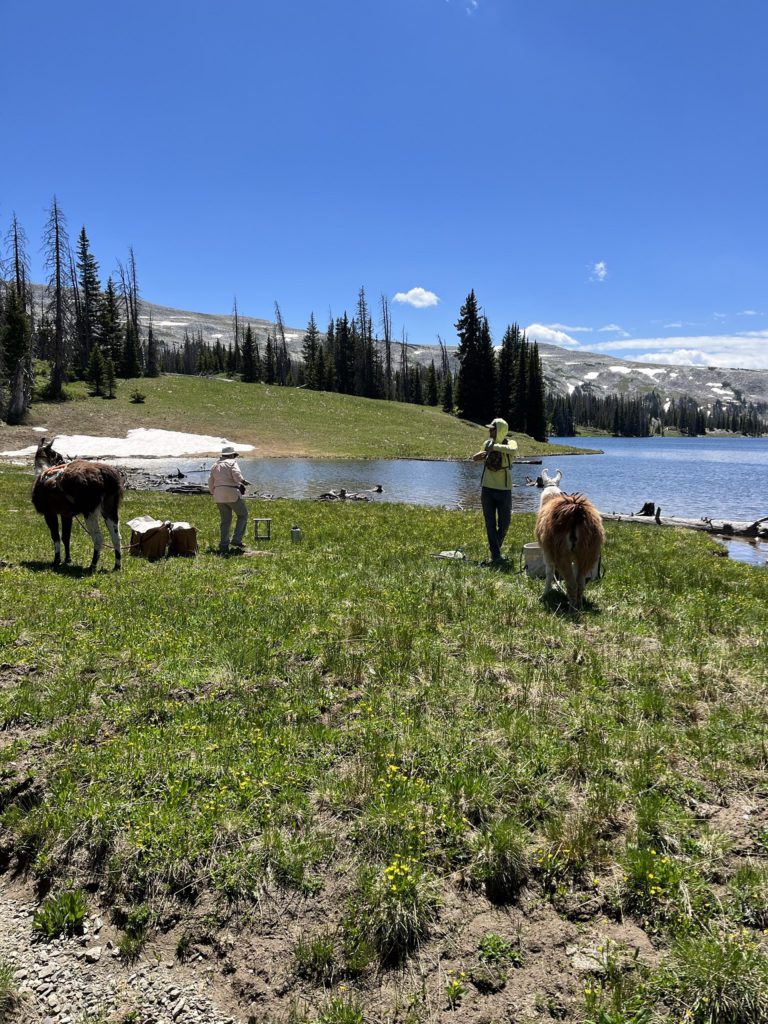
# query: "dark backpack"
493, 461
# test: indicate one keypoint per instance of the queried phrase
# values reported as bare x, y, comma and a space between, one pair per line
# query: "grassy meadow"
277, 421
428, 795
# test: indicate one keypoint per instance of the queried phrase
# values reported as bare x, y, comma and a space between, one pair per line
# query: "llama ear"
41, 443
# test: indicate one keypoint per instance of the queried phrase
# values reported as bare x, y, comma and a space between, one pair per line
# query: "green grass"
217, 732
278, 421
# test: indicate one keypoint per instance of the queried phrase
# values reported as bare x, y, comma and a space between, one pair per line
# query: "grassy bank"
278, 421
405, 782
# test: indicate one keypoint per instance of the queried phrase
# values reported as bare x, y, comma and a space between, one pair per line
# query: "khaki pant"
226, 508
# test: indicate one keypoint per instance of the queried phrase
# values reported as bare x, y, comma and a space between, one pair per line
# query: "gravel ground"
72, 980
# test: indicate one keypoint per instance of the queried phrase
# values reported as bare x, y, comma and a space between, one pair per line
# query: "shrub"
749, 895
455, 989
501, 859
341, 1009
315, 956
716, 979
138, 397
134, 935
61, 914
8, 994
495, 949
397, 905
663, 890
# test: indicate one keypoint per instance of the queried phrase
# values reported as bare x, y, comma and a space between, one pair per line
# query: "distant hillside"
605, 375
564, 370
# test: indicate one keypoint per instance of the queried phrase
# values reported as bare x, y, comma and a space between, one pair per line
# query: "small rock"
93, 955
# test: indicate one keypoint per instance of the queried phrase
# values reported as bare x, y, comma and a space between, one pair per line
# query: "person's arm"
510, 447
479, 456
211, 482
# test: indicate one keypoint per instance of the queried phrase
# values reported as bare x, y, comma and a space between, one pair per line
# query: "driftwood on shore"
725, 527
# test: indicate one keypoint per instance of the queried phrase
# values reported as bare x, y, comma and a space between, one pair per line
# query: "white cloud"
420, 298
549, 335
566, 327
614, 329
747, 350
749, 312
599, 271
676, 324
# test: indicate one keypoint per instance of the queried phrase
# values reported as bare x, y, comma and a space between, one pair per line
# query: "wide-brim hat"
228, 451
492, 426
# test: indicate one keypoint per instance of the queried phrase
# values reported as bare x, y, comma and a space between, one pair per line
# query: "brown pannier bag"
152, 543
183, 540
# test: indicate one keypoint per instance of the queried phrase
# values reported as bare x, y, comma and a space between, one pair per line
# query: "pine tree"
536, 417
310, 348
110, 327
130, 364
153, 367
249, 365
507, 372
432, 384
518, 419
95, 372
448, 392
270, 368
110, 383
16, 331
345, 356
475, 385
88, 321
15, 355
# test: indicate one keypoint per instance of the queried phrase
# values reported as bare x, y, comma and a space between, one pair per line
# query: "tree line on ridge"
80, 329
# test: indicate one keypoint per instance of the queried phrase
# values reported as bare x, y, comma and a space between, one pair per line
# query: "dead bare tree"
282, 359
386, 331
57, 255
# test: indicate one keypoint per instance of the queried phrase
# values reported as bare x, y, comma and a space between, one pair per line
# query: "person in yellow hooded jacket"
498, 453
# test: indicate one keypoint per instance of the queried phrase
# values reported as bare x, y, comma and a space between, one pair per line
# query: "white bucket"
533, 562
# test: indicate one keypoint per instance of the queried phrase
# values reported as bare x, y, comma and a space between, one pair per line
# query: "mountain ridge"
564, 369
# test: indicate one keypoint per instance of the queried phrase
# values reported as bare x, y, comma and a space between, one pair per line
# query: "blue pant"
497, 510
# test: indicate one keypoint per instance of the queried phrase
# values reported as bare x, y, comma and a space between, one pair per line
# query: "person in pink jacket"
227, 485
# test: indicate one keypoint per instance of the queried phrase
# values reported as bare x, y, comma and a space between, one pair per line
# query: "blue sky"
594, 169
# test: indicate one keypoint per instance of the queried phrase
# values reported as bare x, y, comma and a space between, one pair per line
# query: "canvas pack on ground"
183, 540
149, 537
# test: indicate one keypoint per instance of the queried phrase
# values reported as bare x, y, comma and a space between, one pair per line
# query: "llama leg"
66, 534
52, 522
572, 587
550, 580
94, 530
580, 586
113, 525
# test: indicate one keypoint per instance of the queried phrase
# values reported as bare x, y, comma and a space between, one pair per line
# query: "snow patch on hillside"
139, 443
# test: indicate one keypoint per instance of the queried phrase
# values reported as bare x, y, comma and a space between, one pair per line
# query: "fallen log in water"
725, 527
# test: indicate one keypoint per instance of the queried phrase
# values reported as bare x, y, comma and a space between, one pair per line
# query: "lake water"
690, 477
720, 477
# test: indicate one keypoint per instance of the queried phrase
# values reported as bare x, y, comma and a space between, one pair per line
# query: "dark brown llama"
63, 490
